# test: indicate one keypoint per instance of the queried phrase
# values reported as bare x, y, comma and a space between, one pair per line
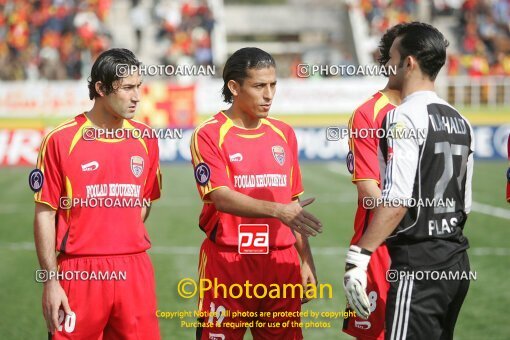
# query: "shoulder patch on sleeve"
350, 162
35, 180
202, 173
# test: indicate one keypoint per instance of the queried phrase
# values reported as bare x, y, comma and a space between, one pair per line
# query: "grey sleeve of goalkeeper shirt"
403, 149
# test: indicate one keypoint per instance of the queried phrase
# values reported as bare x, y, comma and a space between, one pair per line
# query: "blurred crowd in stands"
482, 31
50, 39
185, 28
60, 39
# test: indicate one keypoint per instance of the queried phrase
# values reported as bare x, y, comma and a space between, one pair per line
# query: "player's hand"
355, 280
308, 276
53, 298
298, 219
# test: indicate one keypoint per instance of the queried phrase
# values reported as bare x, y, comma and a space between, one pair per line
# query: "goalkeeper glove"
355, 280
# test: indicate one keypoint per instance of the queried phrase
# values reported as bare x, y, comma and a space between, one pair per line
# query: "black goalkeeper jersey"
427, 160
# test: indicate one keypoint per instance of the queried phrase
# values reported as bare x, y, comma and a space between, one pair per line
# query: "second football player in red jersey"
247, 172
91, 196
363, 164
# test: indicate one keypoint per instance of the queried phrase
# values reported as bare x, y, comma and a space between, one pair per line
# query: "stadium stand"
50, 39
187, 28
58, 39
480, 28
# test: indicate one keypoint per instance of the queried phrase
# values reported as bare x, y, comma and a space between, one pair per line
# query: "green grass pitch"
176, 238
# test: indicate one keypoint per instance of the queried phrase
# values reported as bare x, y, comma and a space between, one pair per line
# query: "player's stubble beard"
122, 110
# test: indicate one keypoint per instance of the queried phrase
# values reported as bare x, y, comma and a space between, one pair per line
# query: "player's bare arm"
308, 273
145, 213
367, 188
384, 223
53, 295
291, 214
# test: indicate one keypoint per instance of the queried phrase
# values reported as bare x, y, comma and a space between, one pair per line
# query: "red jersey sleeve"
210, 167
49, 164
297, 184
364, 150
153, 184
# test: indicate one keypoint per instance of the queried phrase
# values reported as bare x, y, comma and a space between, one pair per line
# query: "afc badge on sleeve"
202, 173
350, 162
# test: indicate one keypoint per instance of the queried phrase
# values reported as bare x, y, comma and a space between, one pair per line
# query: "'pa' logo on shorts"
253, 239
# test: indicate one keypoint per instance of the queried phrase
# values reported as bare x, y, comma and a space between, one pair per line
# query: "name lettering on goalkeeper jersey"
450, 124
113, 190
443, 226
260, 181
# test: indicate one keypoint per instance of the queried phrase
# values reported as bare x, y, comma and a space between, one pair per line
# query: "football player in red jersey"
248, 176
90, 208
363, 164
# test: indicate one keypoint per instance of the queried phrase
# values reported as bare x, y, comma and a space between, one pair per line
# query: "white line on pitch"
478, 207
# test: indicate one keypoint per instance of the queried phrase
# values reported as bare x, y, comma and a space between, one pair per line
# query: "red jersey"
362, 160
363, 163
120, 173
261, 163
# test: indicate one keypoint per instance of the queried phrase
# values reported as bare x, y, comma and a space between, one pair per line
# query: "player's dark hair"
386, 42
106, 69
236, 67
426, 44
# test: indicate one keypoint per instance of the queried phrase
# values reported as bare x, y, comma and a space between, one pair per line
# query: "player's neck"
241, 119
101, 118
416, 86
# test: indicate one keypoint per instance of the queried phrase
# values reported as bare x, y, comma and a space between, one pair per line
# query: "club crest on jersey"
279, 154
350, 162
137, 165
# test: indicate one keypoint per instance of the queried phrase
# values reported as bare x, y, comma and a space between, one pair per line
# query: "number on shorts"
218, 312
70, 321
372, 298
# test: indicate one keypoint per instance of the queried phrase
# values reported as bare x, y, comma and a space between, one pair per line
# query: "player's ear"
234, 87
99, 88
411, 63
